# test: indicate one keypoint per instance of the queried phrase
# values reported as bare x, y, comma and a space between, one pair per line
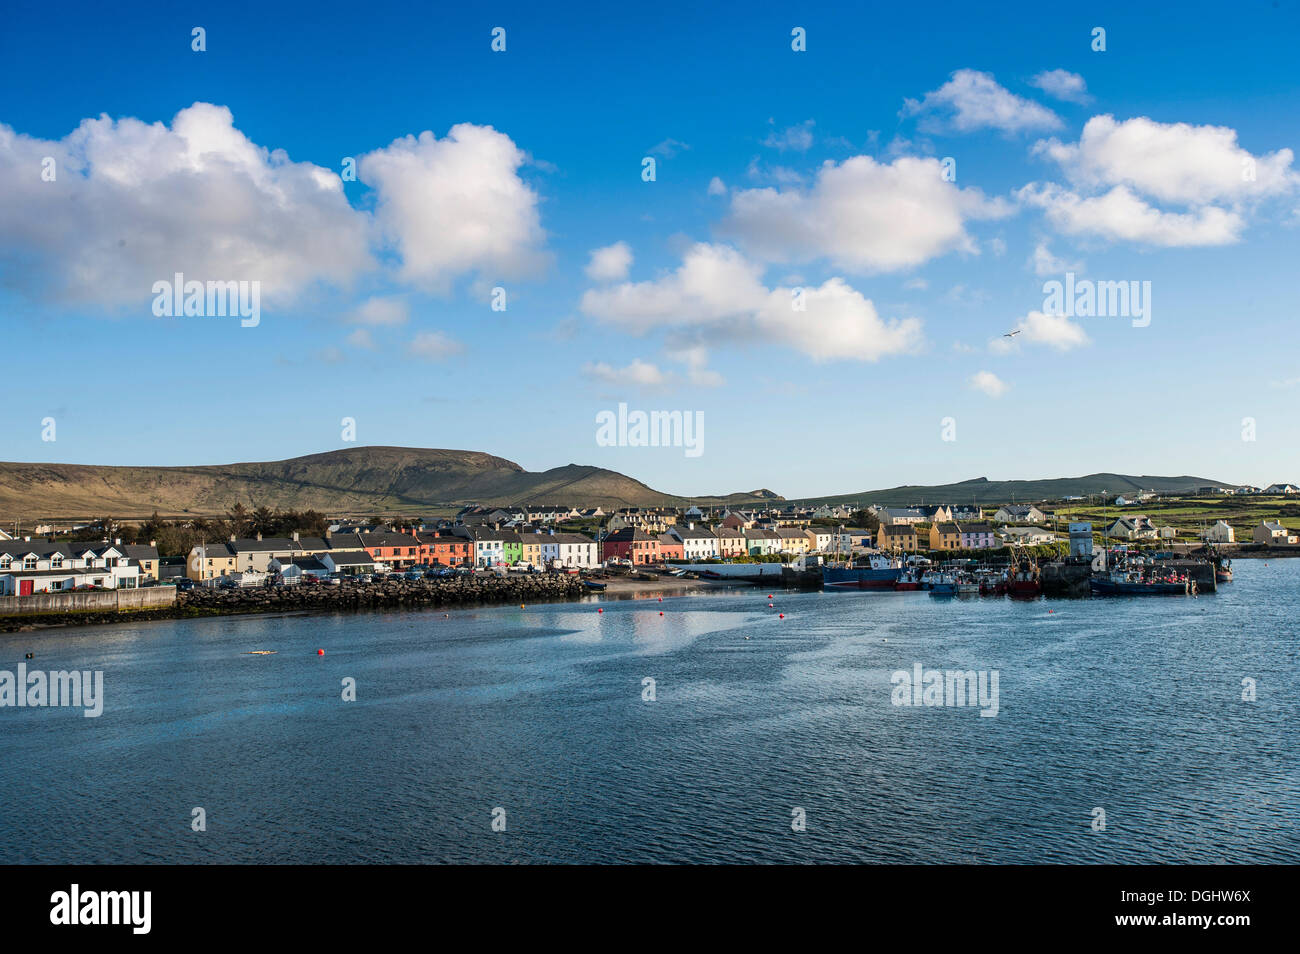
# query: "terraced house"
633, 544
28, 567
945, 536
897, 536
697, 543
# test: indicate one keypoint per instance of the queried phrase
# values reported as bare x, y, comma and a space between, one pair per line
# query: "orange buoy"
320, 652
521, 605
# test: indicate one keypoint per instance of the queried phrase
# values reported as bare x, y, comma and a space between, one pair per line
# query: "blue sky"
1122, 164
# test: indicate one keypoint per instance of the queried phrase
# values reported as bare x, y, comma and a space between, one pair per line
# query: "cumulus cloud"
972, 100
1121, 215
434, 346
639, 373
1054, 331
717, 294
1045, 263
798, 138
610, 264
133, 203
989, 383
361, 338
1063, 85
861, 215
380, 311
1171, 162
455, 206
717, 186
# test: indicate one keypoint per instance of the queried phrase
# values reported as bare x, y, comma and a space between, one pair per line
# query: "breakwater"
395, 594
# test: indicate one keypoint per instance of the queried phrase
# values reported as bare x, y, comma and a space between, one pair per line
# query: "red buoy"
770, 605
782, 615
769, 596
600, 611
320, 652
661, 612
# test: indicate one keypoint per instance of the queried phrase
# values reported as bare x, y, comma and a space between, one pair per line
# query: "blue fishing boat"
878, 573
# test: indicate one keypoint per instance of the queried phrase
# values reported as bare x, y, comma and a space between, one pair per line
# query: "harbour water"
1130, 706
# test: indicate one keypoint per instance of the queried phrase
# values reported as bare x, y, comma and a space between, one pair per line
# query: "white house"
1019, 513
573, 549
28, 567
1221, 532
1287, 489
698, 543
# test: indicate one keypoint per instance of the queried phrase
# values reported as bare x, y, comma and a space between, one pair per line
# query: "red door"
26, 587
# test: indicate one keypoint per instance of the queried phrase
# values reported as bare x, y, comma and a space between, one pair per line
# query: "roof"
350, 558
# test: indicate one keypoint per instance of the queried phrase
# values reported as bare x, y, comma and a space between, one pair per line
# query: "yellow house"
897, 536
945, 536
793, 541
532, 548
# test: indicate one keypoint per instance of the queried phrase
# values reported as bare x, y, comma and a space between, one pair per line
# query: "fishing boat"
880, 572
967, 585
993, 583
1124, 581
1022, 579
593, 585
910, 580
943, 584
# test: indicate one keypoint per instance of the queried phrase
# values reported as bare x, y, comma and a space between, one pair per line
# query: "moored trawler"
1022, 579
1131, 582
880, 572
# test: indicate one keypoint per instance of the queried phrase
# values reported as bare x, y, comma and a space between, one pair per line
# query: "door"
26, 587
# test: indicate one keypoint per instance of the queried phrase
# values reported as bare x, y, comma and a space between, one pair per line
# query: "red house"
631, 544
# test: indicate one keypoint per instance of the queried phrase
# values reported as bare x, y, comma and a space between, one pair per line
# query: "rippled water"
1133, 706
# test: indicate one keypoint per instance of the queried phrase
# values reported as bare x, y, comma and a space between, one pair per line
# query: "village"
553, 538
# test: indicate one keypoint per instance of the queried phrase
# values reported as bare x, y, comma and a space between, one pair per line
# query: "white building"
698, 543
1221, 532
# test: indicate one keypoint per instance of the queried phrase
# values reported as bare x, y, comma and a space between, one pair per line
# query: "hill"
360, 480
981, 490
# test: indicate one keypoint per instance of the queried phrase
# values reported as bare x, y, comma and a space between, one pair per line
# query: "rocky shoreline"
394, 594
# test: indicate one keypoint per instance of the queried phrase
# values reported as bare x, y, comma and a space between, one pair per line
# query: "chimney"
232, 538
117, 541
259, 537
295, 536
154, 544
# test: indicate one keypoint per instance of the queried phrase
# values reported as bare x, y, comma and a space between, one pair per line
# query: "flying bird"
1011, 334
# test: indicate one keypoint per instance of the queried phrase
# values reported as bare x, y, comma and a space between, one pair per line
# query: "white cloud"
696, 359
916, 284
1045, 263
380, 311
456, 205
717, 186
610, 264
639, 374
862, 215
434, 345
1121, 215
974, 100
1063, 85
133, 203
1172, 162
361, 338
719, 295
989, 383
799, 138
669, 148
1054, 331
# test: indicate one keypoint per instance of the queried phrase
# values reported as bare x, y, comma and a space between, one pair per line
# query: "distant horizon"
759, 487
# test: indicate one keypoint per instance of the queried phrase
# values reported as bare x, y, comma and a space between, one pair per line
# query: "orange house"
670, 548
447, 550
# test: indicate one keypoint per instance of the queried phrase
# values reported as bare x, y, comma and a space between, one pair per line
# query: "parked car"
333, 580
184, 584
